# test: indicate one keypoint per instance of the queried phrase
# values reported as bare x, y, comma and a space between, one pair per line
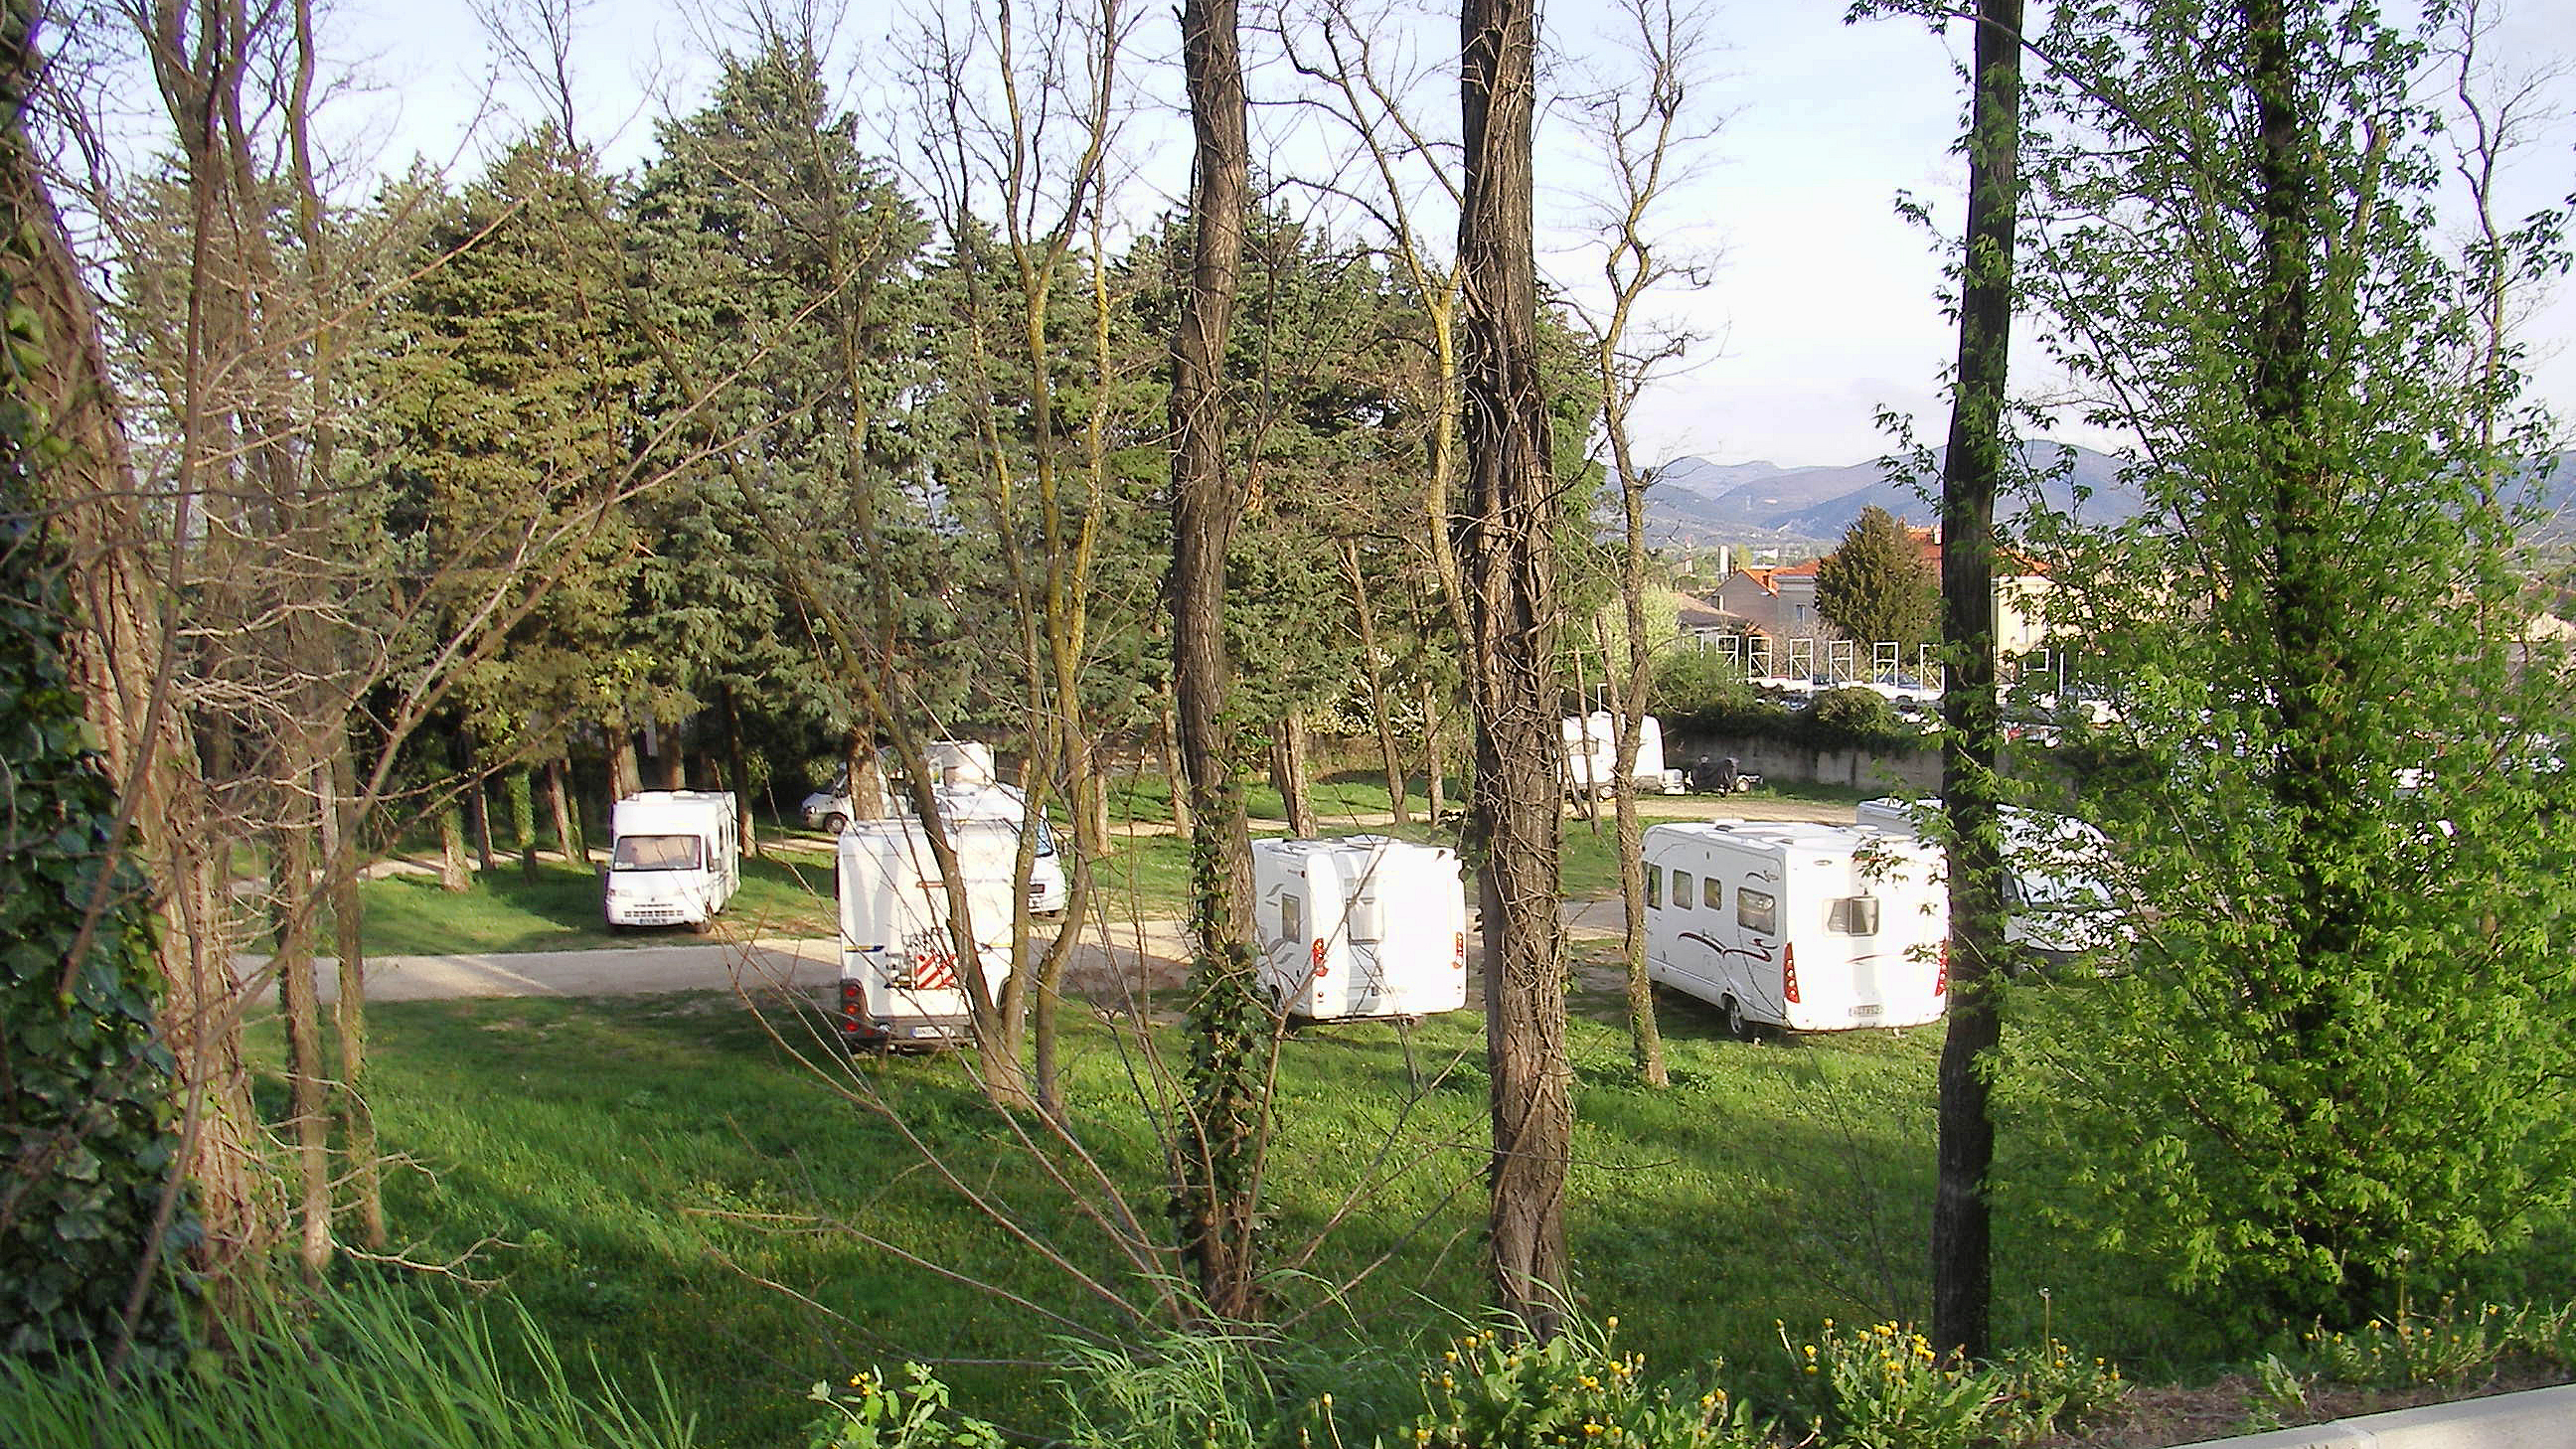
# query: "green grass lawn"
662, 1185
785, 893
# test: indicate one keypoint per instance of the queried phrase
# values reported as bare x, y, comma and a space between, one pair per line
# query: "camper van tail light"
1941, 978
1458, 962
853, 1003
1789, 971
1320, 968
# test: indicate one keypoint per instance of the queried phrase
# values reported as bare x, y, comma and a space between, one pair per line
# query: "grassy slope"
648, 1160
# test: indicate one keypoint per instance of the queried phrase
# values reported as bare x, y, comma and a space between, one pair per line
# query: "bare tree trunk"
674, 760
1962, 1232
737, 773
523, 818
1435, 766
309, 1119
357, 1118
625, 771
1288, 775
1389, 759
1173, 776
478, 805
1216, 1192
453, 874
1506, 555
559, 807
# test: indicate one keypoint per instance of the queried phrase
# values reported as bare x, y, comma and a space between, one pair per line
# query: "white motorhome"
1006, 806
952, 763
676, 858
900, 976
1592, 756
1800, 926
2060, 908
1364, 926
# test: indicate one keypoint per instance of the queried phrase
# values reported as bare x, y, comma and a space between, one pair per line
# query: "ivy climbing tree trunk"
1224, 1118
1506, 553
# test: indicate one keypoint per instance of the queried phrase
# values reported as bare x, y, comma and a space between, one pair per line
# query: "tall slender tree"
1506, 529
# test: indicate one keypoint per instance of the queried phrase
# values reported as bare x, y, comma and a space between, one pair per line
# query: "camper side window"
1681, 890
1711, 894
1292, 919
1654, 887
1854, 916
1757, 911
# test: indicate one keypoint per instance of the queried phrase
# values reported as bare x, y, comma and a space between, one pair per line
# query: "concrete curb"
2534, 1419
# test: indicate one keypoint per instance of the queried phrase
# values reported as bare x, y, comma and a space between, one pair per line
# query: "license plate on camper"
1871, 1009
920, 1031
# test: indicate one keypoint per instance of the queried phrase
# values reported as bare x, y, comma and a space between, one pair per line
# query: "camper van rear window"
1854, 916
655, 852
1757, 911
1654, 887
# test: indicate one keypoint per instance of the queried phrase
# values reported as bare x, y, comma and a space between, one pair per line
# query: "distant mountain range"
1696, 502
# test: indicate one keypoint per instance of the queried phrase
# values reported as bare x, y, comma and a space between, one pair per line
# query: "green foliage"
1181, 1391
1883, 1387
1860, 716
2444, 1346
876, 1413
1692, 678
364, 1367
87, 1131
2338, 1074
1876, 586
1495, 1392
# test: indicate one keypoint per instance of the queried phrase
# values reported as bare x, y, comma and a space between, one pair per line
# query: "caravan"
675, 861
1364, 926
2061, 908
1592, 757
1799, 926
900, 976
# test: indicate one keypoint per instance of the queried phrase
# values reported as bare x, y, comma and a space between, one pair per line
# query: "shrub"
1856, 716
874, 1413
1493, 1392
1883, 1387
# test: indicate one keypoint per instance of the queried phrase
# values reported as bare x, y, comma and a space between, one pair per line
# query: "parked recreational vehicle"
900, 982
1358, 927
675, 861
1003, 805
2060, 907
952, 762
1592, 757
1807, 927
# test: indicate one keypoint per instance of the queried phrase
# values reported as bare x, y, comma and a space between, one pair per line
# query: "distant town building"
1779, 603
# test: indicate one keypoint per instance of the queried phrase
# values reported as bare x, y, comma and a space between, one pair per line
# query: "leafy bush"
2444, 1346
1856, 716
1883, 1387
1492, 1392
874, 1413
1695, 677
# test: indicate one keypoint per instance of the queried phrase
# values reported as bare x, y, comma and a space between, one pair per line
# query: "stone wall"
1780, 762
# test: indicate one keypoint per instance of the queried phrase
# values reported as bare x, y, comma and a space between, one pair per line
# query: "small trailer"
675, 860
1364, 926
1592, 757
1798, 926
900, 977
2060, 908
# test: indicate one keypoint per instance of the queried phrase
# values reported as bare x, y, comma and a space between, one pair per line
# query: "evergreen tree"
1875, 585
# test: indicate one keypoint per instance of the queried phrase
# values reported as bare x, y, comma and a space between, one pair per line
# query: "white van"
1800, 926
900, 985
1592, 757
1364, 926
2060, 908
676, 858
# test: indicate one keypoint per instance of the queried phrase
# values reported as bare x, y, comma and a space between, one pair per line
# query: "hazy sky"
1819, 311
